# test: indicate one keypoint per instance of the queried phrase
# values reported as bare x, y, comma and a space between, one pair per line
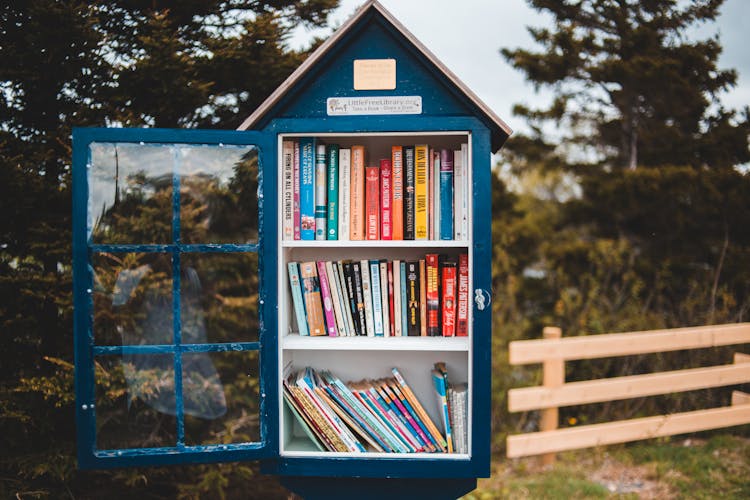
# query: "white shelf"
363, 343
375, 244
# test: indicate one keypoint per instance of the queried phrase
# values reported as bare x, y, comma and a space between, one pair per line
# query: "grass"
718, 467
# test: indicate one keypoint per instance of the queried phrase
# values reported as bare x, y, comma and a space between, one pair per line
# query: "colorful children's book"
299, 305
440, 389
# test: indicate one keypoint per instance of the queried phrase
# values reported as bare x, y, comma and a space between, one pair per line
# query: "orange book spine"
372, 203
397, 184
357, 197
311, 295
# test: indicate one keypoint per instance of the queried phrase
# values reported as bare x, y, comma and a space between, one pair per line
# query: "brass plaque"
374, 74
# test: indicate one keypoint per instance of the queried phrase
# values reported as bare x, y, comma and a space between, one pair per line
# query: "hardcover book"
448, 275
345, 157
409, 192
397, 181
446, 193
311, 296
372, 203
321, 192
386, 212
287, 190
433, 299
327, 300
462, 303
396, 302
332, 209
357, 198
420, 191
307, 188
297, 300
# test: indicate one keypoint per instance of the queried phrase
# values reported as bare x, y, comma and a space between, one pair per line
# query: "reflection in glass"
132, 298
218, 194
130, 193
219, 297
126, 393
237, 382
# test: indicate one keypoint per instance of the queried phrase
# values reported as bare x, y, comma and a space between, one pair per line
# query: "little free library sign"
386, 105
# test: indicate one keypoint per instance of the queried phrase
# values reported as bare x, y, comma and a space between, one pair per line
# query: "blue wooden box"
184, 325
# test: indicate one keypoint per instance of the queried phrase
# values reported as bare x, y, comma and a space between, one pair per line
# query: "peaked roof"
501, 130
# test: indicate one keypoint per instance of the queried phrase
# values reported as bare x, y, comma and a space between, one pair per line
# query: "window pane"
135, 401
130, 193
132, 298
219, 297
218, 194
221, 393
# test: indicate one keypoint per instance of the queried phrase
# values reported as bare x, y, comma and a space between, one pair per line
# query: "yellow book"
421, 164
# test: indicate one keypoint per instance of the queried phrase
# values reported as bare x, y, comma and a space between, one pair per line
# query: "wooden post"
553, 376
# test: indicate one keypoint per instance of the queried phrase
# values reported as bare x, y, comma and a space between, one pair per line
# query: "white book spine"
458, 183
377, 298
384, 299
436, 197
345, 162
287, 190
397, 298
336, 299
465, 199
364, 268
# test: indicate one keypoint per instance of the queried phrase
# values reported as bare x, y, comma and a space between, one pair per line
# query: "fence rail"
552, 351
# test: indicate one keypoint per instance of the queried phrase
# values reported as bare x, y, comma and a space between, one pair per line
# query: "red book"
462, 307
448, 274
372, 203
391, 306
386, 210
433, 299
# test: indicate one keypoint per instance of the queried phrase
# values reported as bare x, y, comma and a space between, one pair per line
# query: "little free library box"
310, 291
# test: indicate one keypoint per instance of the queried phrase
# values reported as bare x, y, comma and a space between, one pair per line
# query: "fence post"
553, 376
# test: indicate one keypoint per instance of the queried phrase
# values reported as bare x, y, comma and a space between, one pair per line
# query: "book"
406, 407
332, 208
465, 180
377, 298
462, 299
448, 282
297, 180
307, 188
431, 213
441, 367
299, 306
347, 298
396, 302
345, 156
287, 190
458, 193
364, 269
440, 390
390, 398
433, 299
436, 201
327, 300
360, 298
422, 298
338, 304
302, 420
385, 307
446, 193
357, 194
391, 298
404, 300
409, 184
457, 398
386, 212
372, 203
321, 192
311, 295
397, 181
313, 417
418, 408
412, 290
420, 191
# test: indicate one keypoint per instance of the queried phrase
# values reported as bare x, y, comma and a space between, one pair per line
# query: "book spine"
396, 302
458, 176
359, 290
448, 275
296, 191
321, 192
391, 307
446, 193
465, 192
377, 298
382, 270
397, 181
422, 298
354, 290
372, 203
439, 383
338, 311
357, 198
307, 188
338, 268
364, 269
327, 299
311, 295
396, 439
386, 195
345, 179
431, 183
332, 209
436, 201
405, 417
420, 191
433, 299
462, 303
403, 424
418, 408
287, 190
409, 192
412, 286
404, 299
388, 415
299, 306
376, 441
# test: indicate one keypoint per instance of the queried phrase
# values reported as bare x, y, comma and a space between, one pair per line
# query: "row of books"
370, 415
381, 298
334, 193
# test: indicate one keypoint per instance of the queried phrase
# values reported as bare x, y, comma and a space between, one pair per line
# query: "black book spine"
412, 297
409, 199
351, 295
360, 297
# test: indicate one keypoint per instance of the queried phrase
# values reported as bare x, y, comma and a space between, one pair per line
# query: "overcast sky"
467, 35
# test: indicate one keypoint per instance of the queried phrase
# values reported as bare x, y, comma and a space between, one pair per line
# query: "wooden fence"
552, 351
